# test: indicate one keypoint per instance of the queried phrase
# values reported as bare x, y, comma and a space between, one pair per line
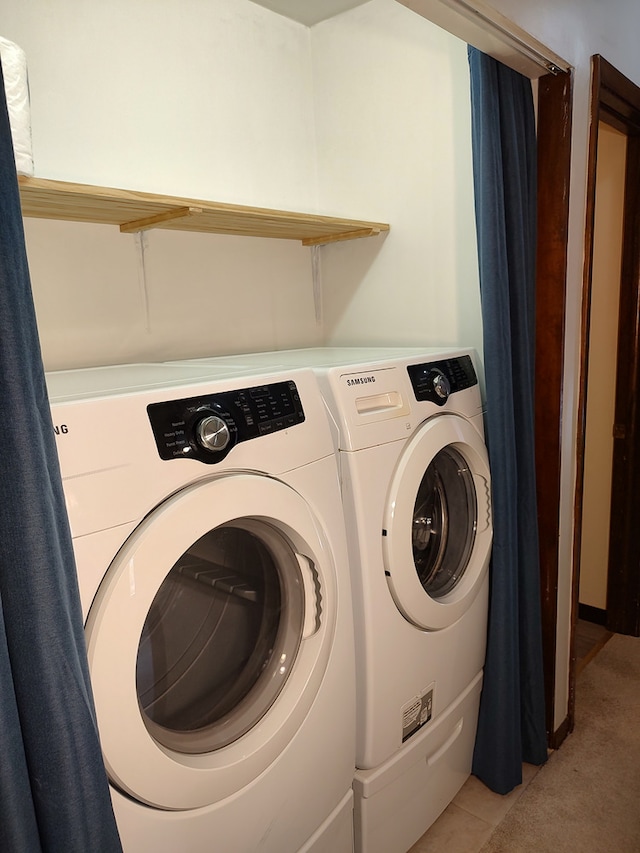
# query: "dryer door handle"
312, 596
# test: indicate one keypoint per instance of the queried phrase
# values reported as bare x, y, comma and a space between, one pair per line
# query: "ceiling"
309, 12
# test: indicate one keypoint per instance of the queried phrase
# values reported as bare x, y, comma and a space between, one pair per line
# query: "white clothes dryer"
416, 491
212, 564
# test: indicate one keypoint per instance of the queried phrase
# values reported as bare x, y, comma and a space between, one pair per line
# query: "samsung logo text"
361, 380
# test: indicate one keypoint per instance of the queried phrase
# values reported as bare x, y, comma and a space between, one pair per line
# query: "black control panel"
435, 380
208, 427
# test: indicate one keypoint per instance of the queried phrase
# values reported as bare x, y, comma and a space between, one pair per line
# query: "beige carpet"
587, 796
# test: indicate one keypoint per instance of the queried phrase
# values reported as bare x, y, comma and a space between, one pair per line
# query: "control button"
212, 433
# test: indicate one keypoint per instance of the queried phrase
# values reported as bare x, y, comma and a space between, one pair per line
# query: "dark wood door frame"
615, 100
623, 586
554, 164
619, 101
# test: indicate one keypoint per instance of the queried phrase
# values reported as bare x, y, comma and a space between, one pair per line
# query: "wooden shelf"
137, 211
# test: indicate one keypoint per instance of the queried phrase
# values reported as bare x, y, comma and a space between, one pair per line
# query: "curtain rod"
500, 26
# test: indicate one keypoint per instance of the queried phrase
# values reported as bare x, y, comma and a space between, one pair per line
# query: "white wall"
365, 115
394, 142
200, 98
197, 294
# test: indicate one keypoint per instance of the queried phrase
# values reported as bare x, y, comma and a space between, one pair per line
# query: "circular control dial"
212, 433
440, 384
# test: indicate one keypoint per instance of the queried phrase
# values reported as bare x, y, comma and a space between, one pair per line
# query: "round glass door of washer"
208, 639
437, 527
444, 522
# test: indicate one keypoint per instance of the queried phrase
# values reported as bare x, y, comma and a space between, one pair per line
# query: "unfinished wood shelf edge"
135, 211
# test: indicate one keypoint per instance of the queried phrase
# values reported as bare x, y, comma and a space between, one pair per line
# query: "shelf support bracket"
148, 222
345, 235
316, 278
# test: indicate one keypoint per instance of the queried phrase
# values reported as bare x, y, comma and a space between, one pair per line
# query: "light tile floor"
466, 824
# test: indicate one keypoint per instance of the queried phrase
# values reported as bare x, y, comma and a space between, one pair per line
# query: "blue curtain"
54, 795
511, 726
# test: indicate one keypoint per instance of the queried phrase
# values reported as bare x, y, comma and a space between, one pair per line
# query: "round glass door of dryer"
220, 637
209, 638
437, 529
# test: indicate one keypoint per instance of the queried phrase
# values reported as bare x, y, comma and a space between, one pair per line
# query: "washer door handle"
483, 488
312, 596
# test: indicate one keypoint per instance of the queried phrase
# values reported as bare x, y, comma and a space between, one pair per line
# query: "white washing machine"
212, 564
416, 492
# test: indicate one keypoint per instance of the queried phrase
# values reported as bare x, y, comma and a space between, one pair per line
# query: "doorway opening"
602, 357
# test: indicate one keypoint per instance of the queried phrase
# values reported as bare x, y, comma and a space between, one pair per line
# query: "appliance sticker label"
417, 712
